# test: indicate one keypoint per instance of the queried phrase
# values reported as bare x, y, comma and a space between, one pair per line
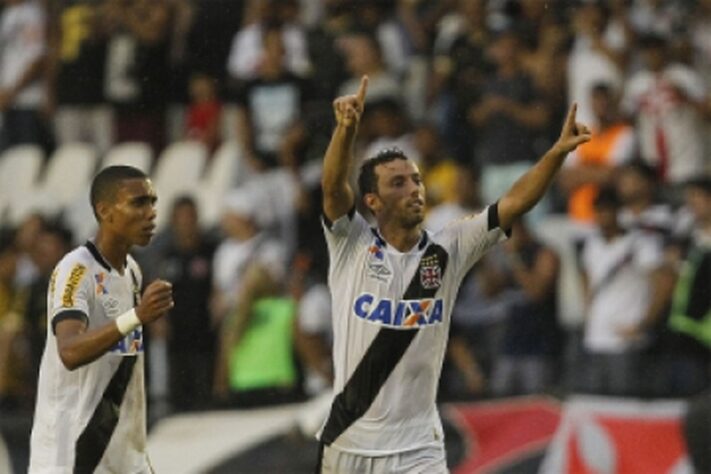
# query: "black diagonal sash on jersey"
380, 359
93, 441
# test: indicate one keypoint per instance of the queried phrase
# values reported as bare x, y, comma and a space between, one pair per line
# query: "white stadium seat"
20, 167
178, 171
136, 154
67, 176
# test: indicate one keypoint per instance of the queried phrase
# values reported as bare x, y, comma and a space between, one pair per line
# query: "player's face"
134, 212
401, 194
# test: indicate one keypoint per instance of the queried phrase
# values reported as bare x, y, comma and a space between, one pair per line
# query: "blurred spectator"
364, 56
13, 357
50, 245
385, 125
700, 37
187, 264
665, 18
249, 45
681, 365
621, 274
263, 318
137, 65
25, 240
668, 100
439, 172
204, 112
269, 103
638, 187
245, 217
532, 338
23, 98
314, 339
690, 319
466, 201
592, 164
597, 55
459, 66
509, 106
78, 64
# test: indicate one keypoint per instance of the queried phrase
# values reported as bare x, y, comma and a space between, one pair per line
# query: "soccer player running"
91, 411
392, 288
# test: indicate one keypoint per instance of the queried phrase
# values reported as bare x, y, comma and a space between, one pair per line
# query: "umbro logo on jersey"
379, 271
402, 313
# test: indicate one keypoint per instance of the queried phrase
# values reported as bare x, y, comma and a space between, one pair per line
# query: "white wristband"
128, 321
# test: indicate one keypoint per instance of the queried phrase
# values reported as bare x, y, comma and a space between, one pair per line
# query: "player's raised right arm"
338, 196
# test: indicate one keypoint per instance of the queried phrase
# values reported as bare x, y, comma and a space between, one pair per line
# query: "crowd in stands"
600, 290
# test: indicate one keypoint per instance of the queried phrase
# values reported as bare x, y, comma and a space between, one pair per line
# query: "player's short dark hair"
367, 179
106, 183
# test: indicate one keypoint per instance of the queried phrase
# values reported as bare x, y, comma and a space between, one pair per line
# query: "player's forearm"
85, 347
337, 164
530, 188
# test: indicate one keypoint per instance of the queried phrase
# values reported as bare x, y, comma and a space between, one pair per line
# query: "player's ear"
103, 210
372, 202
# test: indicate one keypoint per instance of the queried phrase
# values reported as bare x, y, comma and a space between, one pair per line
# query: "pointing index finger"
570, 119
362, 89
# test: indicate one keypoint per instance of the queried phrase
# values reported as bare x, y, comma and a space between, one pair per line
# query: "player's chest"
114, 293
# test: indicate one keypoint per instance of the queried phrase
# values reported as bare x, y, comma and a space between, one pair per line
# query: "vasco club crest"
430, 273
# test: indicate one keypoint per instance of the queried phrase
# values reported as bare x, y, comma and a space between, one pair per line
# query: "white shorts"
429, 460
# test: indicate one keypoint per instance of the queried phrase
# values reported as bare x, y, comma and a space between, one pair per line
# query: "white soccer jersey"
391, 317
92, 419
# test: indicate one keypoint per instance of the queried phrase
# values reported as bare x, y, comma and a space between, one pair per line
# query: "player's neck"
112, 249
401, 238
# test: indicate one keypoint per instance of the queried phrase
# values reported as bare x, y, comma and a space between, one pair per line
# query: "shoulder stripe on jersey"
379, 360
68, 314
95, 438
97, 255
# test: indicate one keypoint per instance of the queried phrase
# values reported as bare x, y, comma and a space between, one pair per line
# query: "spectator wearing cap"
668, 100
619, 271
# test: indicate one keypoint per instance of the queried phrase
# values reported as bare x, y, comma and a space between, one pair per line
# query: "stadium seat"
67, 176
225, 171
178, 171
20, 167
136, 154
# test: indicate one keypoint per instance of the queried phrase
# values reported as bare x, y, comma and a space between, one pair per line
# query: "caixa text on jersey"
402, 313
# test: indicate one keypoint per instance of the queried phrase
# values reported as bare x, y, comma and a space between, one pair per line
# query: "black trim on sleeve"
68, 314
329, 224
492, 219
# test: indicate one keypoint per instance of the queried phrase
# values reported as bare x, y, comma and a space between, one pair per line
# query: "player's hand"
349, 108
573, 133
157, 300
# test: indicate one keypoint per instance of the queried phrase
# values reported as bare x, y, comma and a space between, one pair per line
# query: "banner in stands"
610, 435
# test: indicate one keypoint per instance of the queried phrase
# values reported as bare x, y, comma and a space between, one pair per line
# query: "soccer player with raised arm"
90, 415
392, 288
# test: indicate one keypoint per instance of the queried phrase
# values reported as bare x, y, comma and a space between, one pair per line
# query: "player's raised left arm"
530, 188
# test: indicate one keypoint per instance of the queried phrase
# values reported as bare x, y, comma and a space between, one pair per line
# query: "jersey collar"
380, 241
97, 255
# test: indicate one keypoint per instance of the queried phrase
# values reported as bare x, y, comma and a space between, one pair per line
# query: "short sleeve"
469, 238
648, 254
71, 288
344, 234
